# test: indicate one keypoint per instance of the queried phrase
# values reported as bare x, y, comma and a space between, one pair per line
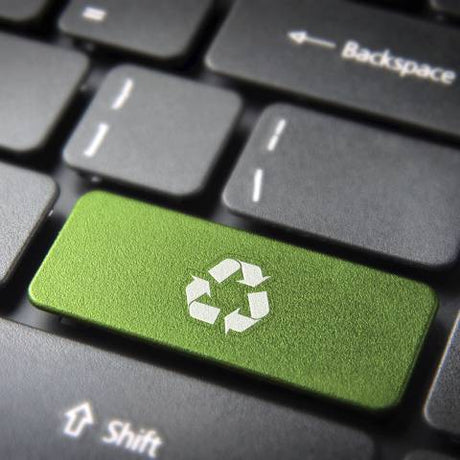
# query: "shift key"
292, 316
348, 54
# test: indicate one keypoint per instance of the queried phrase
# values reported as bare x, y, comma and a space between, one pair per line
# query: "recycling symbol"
252, 276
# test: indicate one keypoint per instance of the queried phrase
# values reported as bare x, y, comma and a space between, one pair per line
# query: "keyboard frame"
396, 433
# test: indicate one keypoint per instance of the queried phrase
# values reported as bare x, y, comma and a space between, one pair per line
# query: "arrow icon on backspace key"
300, 37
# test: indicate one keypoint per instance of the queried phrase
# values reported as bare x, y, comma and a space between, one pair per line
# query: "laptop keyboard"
254, 250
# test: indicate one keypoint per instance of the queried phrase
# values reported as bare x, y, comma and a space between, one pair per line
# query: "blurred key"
161, 29
26, 198
427, 455
403, 4
153, 131
345, 53
353, 184
446, 7
37, 82
442, 409
85, 403
21, 10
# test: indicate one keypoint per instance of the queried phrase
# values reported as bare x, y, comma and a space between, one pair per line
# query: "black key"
161, 29
442, 409
404, 4
26, 198
426, 455
37, 82
446, 7
350, 183
364, 58
153, 131
21, 10
87, 403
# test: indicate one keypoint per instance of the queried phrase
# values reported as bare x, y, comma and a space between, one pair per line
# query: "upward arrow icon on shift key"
78, 418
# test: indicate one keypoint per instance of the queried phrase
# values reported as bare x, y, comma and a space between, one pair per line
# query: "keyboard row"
229, 290
408, 76
95, 419
319, 175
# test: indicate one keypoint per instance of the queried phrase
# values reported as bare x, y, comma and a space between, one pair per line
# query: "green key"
293, 316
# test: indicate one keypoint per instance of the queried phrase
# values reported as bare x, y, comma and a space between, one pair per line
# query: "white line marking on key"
258, 180
95, 14
274, 139
123, 95
320, 42
96, 141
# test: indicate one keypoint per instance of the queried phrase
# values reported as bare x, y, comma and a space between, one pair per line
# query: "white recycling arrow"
203, 312
259, 307
238, 323
252, 275
258, 304
224, 270
196, 289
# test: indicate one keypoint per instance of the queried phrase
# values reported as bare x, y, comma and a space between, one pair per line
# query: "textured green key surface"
317, 323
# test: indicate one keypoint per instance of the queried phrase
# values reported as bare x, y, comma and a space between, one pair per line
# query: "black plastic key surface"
446, 7
160, 29
352, 184
403, 4
347, 54
21, 10
153, 131
37, 82
26, 198
86, 403
442, 409
427, 455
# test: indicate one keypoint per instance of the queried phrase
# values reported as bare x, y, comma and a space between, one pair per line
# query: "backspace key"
345, 54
